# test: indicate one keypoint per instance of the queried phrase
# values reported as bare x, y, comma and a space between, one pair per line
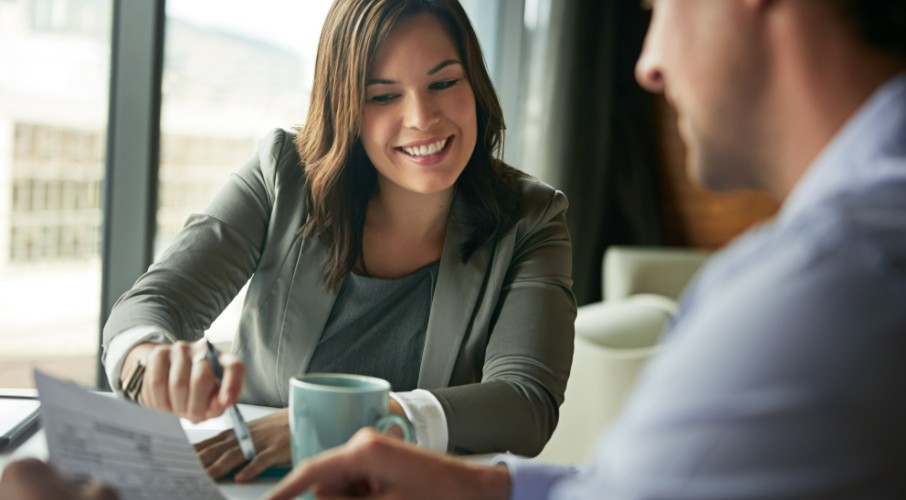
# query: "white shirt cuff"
427, 415
122, 343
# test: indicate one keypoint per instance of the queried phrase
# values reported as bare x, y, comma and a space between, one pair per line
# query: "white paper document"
140, 452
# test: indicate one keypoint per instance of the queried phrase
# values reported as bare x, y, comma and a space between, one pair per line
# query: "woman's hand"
179, 379
270, 434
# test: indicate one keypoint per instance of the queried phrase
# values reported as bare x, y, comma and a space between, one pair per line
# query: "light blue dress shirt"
785, 373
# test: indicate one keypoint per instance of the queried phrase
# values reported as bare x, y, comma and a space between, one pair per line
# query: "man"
32, 479
783, 376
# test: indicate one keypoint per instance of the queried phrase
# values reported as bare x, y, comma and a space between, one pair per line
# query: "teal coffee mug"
326, 409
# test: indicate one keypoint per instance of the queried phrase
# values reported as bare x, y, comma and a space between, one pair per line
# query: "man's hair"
879, 23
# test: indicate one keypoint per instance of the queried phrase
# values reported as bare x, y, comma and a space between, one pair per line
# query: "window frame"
133, 151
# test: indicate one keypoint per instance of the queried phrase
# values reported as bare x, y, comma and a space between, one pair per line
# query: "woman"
385, 239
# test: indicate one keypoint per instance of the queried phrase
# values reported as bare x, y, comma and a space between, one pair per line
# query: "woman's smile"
430, 152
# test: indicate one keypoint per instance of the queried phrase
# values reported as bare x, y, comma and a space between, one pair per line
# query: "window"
53, 111
232, 71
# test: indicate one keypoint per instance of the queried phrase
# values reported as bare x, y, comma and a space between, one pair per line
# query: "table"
34, 445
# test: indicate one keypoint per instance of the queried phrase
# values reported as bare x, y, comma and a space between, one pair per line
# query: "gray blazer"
500, 332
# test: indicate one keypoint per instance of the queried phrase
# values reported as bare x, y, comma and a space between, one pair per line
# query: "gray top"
377, 328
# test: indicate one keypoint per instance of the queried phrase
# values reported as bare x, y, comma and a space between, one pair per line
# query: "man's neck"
822, 79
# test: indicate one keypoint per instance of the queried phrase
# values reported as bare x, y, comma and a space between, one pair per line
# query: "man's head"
698, 56
761, 86
880, 24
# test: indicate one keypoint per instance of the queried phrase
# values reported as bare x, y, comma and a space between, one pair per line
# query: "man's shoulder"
857, 236
869, 222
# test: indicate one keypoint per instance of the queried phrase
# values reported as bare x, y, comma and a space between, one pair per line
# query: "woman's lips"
427, 153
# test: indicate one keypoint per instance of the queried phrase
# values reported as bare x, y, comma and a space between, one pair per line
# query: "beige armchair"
615, 338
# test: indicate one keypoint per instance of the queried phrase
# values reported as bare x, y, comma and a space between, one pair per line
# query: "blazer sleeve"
211, 258
529, 350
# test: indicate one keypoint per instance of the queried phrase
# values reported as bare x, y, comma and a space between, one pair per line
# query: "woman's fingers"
201, 403
271, 437
270, 434
230, 458
156, 386
252, 469
180, 369
179, 378
213, 448
231, 385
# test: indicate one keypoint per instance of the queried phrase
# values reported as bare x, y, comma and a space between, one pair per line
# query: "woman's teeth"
426, 149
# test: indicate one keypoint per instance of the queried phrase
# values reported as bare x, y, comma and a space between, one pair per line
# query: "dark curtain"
603, 142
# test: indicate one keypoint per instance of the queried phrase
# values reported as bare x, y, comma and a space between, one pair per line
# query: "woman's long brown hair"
341, 178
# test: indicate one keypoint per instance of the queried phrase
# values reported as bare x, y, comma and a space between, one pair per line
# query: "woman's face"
419, 127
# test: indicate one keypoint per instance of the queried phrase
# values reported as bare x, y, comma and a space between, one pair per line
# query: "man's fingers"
33, 478
336, 472
28, 477
303, 476
97, 491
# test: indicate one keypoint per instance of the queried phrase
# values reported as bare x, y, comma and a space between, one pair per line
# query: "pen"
243, 435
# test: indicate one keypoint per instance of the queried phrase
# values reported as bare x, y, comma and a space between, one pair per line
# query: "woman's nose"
421, 112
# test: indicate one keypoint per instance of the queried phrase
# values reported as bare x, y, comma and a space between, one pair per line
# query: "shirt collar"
847, 161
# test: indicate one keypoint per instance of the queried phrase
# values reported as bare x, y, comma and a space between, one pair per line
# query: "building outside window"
55, 56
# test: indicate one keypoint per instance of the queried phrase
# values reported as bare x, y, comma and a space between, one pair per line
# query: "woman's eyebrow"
435, 69
443, 65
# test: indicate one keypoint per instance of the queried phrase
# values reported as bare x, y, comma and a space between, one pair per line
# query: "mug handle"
389, 421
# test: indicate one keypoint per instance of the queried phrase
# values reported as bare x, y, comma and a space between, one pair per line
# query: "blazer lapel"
307, 309
459, 285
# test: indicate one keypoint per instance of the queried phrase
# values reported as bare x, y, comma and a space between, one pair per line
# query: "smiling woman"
383, 237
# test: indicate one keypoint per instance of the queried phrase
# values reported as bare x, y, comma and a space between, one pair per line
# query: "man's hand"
32, 479
179, 379
373, 465
270, 434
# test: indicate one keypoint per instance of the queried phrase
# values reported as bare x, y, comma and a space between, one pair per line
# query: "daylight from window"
232, 70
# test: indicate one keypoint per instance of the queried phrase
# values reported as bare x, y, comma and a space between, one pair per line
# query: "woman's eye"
382, 98
444, 84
